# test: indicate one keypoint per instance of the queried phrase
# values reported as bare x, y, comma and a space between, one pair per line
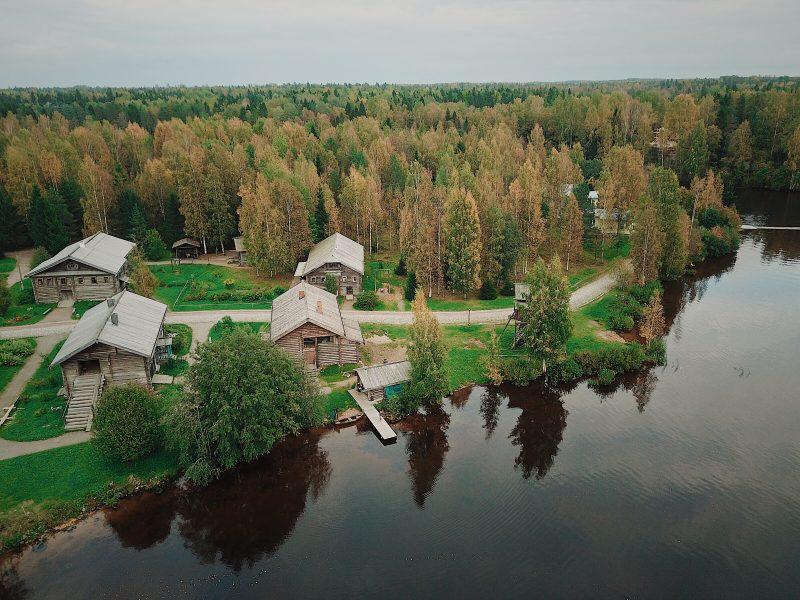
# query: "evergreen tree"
131, 216
72, 193
693, 155
12, 228
321, 218
494, 241
137, 226
45, 221
171, 228
463, 235
153, 246
427, 354
545, 322
411, 287
664, 189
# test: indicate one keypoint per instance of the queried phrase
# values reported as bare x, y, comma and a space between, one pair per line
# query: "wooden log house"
91, 269
383, 381
307, 323
186, 248
336, 255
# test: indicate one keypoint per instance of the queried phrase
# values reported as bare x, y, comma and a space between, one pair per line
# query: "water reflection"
491, 398
11, 585
426, 446
539, 428
241, 518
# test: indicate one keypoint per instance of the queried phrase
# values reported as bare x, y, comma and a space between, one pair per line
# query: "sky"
197, 42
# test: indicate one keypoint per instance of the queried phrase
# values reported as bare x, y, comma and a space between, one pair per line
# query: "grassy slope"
7, 264
173, 285
40, 412
24, 314
7, 372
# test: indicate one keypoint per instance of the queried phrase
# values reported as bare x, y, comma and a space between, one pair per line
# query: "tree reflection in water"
240, 519
539, 428
11, 586
490, 408
426, 445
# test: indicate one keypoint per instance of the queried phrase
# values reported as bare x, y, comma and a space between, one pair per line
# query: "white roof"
381, 376
306, 303
101, 251
593, 194
522, 292
238, 244
336, 249
301, 268
138, 323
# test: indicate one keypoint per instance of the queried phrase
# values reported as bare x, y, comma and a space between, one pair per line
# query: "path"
14, 388
204, 319
200, 333
10, 449
23, 264
756, 227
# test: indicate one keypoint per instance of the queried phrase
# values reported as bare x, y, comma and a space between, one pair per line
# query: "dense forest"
469, 183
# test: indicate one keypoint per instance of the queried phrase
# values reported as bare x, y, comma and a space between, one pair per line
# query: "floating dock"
382, 428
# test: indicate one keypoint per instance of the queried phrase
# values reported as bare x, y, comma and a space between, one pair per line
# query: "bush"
25, 293
277, 291
565, 371
620, 359
657, 352
621, 322
229, 283
331, 283
5, 297
153, 246
606, 377
182, 339
14, 352
519, 370
507, 289
366, 300
487, 291
126, 424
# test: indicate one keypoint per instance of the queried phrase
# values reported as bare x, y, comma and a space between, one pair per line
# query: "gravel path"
23, 264
13, 449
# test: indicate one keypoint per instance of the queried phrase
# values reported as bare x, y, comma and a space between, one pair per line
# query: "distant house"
383, 381
241, 251
118, 341
307, 323
339, 256
186, 248
608, 222
593, 198
91, 269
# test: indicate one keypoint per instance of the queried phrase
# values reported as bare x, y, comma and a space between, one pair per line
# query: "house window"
354, 278
344, 278
309, 342
72, 266
105, 279
40, 281
50, 281
94, 279
80, 279
63, 281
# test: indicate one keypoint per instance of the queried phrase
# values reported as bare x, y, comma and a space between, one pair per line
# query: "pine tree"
545, 322
45, 222
647, 241
427, 354
72, 194
463, 235
321, 218
171, 227
137, 226
493, 231
664, 189
652, 323
12, 227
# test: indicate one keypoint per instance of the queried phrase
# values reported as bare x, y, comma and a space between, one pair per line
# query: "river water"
682, 481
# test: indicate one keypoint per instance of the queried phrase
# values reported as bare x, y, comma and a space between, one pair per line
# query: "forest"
468, 183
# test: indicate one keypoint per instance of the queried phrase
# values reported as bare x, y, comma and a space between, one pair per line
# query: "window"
50, 281
39, 281
354, 278
63, 281
72, 266
80, 279
105, 279
94, 279
309, 342
344, 278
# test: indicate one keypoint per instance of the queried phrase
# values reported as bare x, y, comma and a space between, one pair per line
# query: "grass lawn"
334, 373
338, 400
7, 264
7, 372
220, 328
39, 413
599, 309
458, 304
24, 313
81, 306
379, 270
71, 473
174, 288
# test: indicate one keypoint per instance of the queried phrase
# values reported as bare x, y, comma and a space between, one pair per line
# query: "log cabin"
307, 323
339, 256
118, 341
383, 381
94, 268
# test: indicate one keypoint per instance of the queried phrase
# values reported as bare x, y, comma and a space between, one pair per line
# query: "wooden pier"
382, 428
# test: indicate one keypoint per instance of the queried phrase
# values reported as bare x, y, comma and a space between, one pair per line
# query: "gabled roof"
385, 375
301, 268
336, 249
101, 251
187, 242
138, 322
238, 244
305, 303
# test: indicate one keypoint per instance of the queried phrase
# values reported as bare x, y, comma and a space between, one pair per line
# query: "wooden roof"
135, 327
385, 375
336, 248
187, 242
305, 303
102, 251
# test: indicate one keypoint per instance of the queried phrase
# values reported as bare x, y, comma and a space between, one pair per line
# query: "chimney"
301, 294
319, 306
111, 302
114, 319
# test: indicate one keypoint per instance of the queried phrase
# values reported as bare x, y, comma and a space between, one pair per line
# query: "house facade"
94, 268
336, 255
307, 323
186, 248
119, 341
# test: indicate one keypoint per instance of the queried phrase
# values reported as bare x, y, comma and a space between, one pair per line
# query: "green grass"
7, 264
218, 330
71, 473
455, 304
182, 342
582, 277
174, 367
24, 313
7, 372
339, 399
334, 373
81, 306
599, 310
39, 413
173, 286
375, 274
618, 247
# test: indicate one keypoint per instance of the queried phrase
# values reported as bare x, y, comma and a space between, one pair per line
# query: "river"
681, 481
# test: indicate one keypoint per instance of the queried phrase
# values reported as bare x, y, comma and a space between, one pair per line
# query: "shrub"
277, 291
229, 283
25, 293
519, 370
14, 352
5, 297
487, 291
565, 371
620, 322
182, 339
126, 423
606, 377
411, 287
657, 352
400, 270
366, 300
507, 289
620, 359
331, 283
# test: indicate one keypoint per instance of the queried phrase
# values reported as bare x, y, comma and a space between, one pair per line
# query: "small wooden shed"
186, 248
383, 381
241, 251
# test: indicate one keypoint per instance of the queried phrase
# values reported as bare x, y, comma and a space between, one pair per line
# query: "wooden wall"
337, 352
48, 285
319, 275
118, 366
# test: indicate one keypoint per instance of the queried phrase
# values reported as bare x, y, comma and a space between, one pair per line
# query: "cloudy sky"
148, 42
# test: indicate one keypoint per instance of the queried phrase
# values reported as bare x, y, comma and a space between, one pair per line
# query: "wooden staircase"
86, 389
